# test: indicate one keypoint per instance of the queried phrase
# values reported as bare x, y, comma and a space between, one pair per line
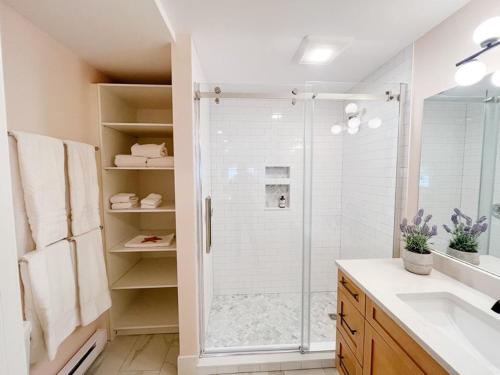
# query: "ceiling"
128, 40
255, 41
237, 41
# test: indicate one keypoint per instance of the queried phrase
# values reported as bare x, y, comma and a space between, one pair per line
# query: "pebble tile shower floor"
268, 319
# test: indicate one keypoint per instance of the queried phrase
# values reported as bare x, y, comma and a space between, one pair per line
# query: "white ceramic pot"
472, 258
420, 264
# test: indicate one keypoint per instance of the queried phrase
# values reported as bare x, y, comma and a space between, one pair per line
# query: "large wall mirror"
460, 172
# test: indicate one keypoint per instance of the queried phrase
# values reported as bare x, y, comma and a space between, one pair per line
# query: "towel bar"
70, 239
10, 134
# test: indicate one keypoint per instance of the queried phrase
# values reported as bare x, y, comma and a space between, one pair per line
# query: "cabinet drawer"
353, 293
351, 324
345, 360
394, 335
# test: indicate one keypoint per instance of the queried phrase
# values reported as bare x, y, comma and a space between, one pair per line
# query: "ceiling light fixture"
320, 51
336, 129
351, 108
374, 123
470, 73
353, 123
470, 70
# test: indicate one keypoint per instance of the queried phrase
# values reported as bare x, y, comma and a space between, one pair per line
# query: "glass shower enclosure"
290, 178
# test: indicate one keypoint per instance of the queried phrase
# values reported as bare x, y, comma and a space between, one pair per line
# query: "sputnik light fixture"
470, 70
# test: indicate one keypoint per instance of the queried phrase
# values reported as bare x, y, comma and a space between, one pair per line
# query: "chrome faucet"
496, 307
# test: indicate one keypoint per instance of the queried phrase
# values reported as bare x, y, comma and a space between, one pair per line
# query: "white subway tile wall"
256, 249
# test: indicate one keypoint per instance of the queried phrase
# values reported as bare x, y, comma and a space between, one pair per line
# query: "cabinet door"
385, 358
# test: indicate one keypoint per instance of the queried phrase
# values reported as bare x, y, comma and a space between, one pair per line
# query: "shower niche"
277, 188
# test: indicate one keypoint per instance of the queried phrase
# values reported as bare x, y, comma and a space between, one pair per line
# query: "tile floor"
157, 355
268, 319
317, 371
138, 355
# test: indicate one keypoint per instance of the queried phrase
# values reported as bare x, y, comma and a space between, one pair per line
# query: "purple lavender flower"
417, 220
447, 228
457, 211
428, 218
420, 212
434, 230
454, 219
481, 219
484, 227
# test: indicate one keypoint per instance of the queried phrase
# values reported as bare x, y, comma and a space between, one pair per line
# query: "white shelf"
166, 207
139, 168
149, 273
148, 310
120, 248
151, 130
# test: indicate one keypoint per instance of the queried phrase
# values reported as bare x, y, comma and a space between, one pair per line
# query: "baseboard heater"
87, 354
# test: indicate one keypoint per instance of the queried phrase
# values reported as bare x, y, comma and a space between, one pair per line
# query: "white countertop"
383, 279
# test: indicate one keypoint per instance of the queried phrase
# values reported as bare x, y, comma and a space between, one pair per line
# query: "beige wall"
184, 73
435, 56
48, 91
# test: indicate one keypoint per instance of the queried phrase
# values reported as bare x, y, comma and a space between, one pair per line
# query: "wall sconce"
470, 70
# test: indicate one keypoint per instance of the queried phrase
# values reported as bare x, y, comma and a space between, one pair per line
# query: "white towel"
151, 199
130, 161
149, 150
150, 240
123, 198
83, 187
50, 277
164, 162
93, 289
121, 206
41, 165
151, 205
38, 350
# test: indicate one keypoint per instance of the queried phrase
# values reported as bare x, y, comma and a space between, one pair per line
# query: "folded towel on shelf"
124, 198
121, 206
149, 150
130, 161
41, 166
151, 205
153, 200
83, 187
150, 240
49, 277
164, 162
93, 291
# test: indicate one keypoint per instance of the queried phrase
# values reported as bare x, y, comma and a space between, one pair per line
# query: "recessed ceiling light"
320, 51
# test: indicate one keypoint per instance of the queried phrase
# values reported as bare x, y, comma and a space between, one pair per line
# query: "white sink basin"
476, 330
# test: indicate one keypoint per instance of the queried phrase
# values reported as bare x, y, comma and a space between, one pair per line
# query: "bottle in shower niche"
282, 203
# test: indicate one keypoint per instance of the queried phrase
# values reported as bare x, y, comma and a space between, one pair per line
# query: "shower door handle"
208, 223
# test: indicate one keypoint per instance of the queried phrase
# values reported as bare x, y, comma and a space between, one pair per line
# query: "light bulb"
487, 32
351, 108
336, 129
352, 130
470, 73
354, 123
495, 78
374, 123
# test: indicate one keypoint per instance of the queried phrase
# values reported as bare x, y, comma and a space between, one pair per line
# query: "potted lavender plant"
464, 236
417, 257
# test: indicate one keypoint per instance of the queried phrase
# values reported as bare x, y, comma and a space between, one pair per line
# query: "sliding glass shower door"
252, 163
287, 185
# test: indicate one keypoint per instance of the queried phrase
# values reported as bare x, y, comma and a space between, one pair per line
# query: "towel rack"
69, 239
10, 134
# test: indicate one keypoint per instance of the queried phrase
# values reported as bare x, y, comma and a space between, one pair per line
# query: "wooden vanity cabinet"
369, 342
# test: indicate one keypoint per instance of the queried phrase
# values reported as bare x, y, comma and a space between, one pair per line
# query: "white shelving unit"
143, 281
